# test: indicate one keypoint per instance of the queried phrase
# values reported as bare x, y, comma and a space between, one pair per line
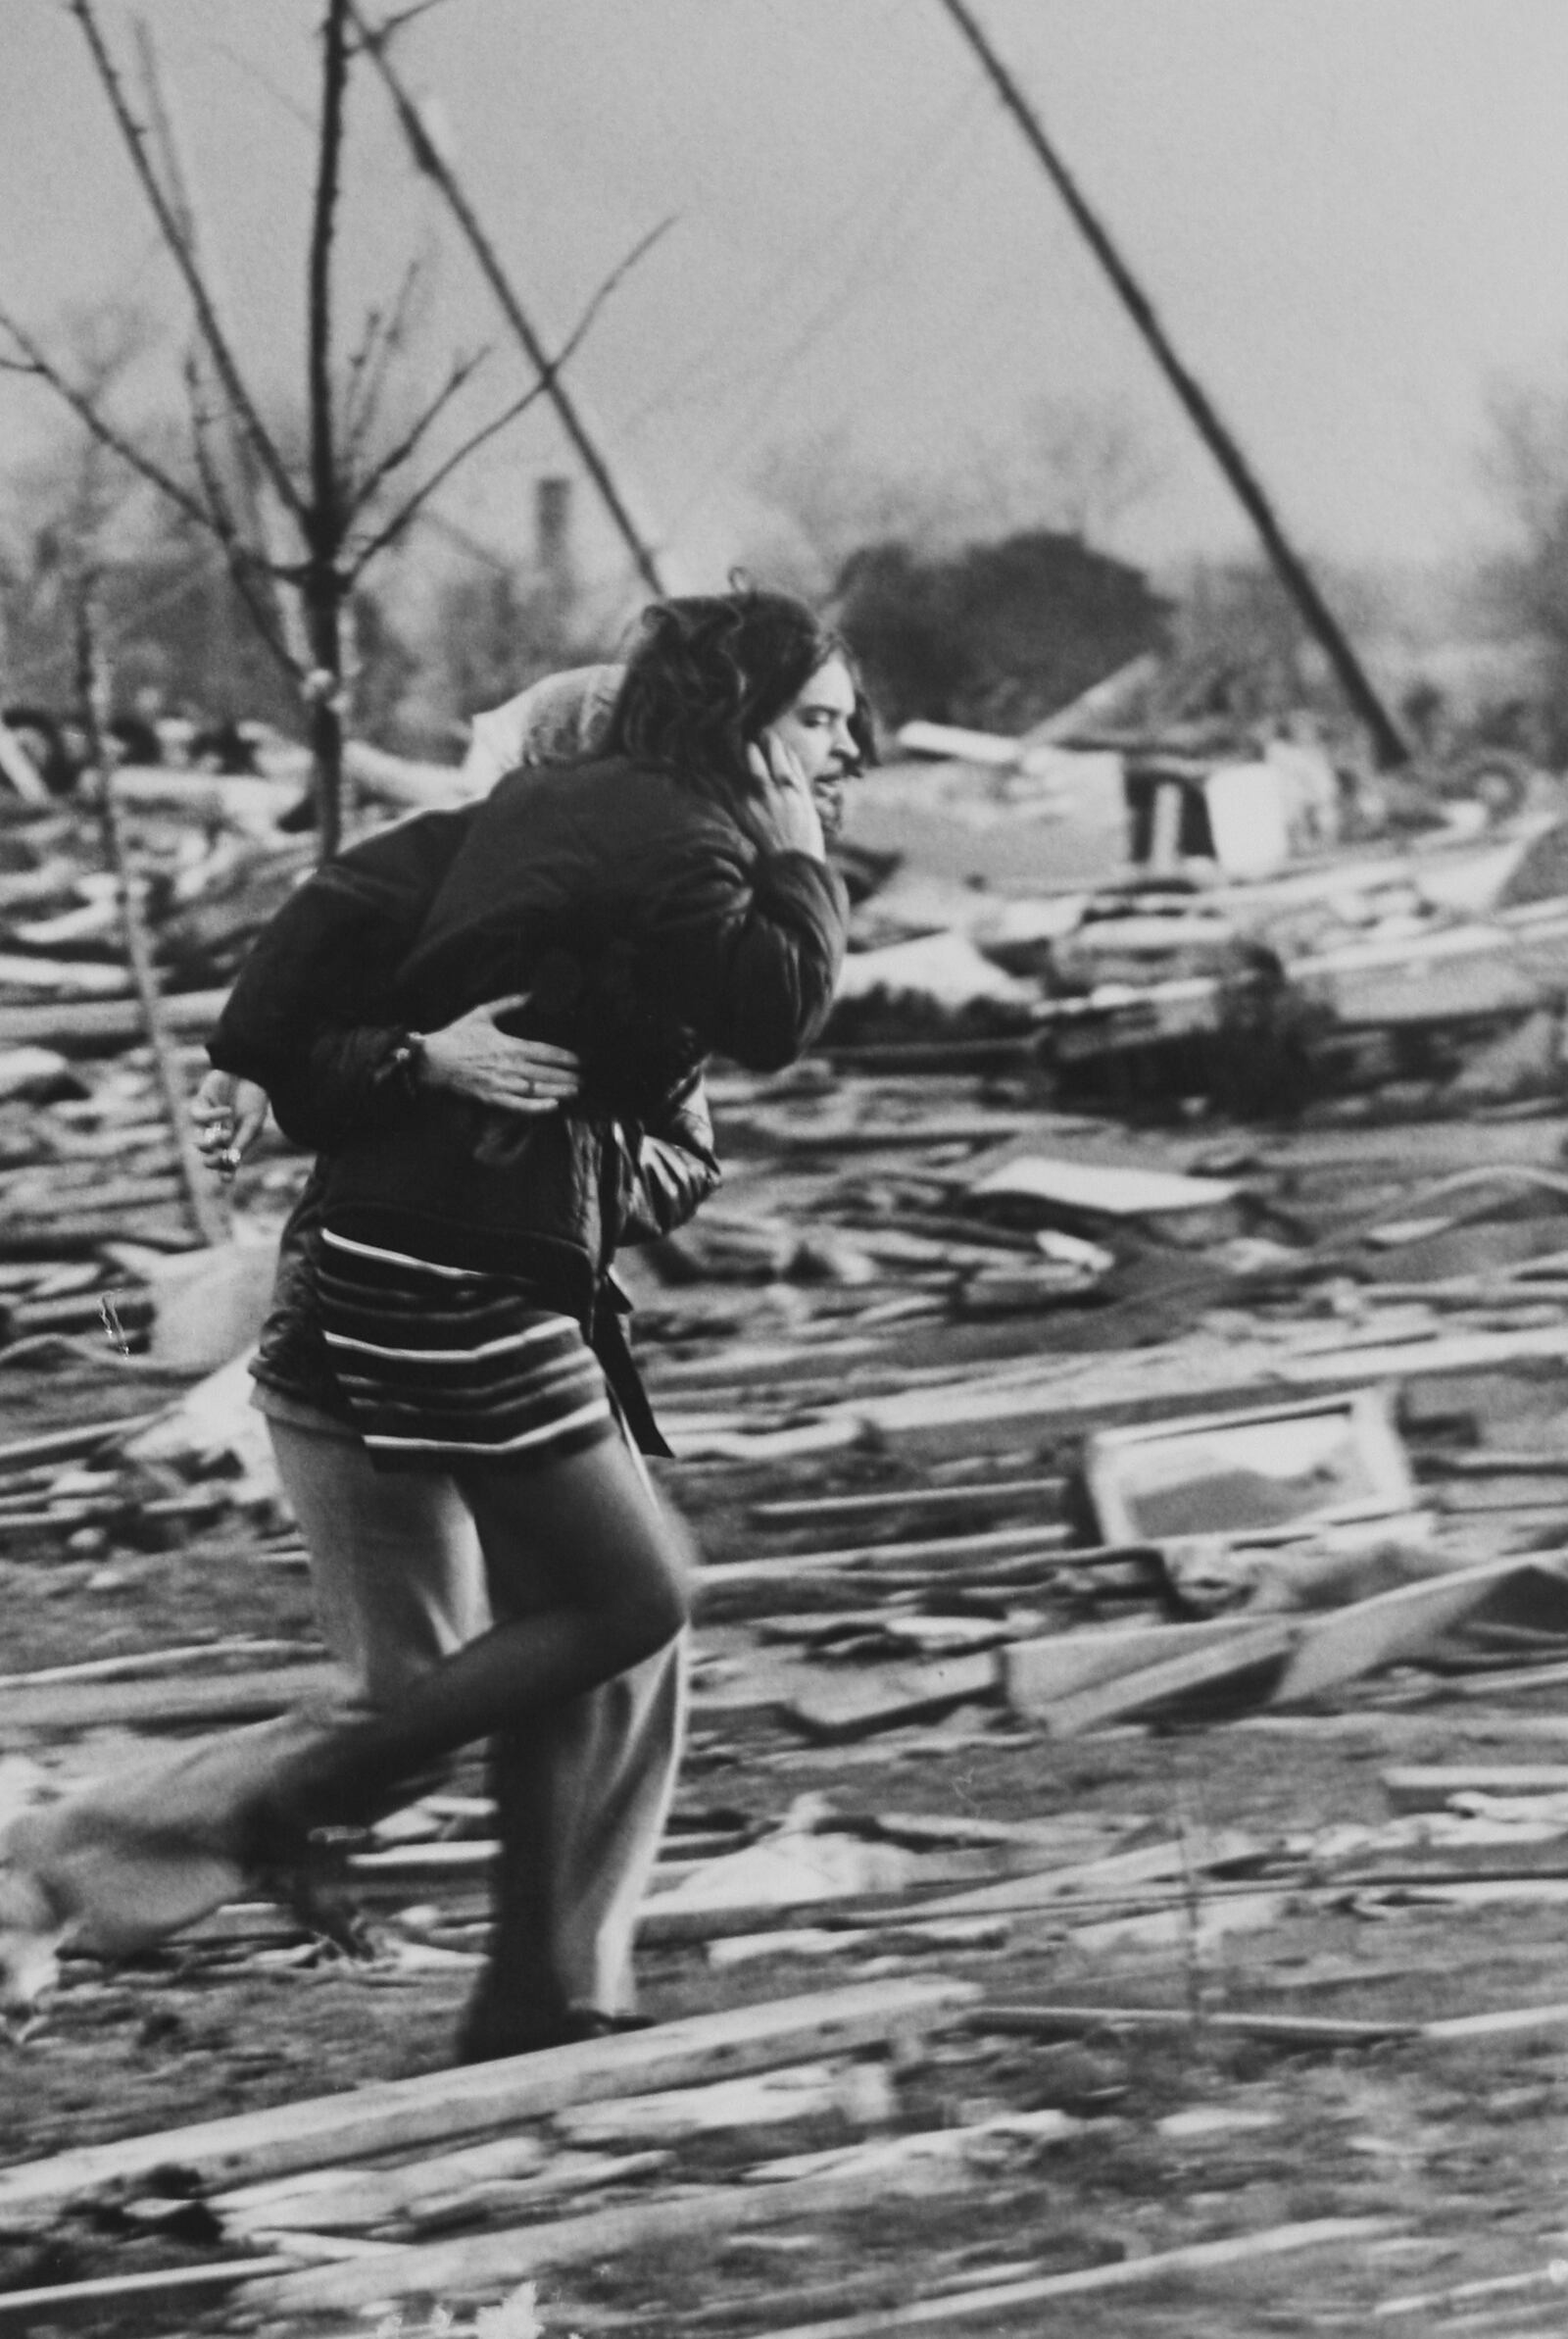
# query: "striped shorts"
445, 1365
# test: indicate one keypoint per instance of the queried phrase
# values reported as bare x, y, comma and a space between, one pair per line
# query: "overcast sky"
1352, 213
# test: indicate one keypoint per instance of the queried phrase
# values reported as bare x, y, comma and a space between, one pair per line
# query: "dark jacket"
650, 931
290, 1023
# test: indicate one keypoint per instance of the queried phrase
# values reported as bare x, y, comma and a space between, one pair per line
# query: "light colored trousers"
399, 1577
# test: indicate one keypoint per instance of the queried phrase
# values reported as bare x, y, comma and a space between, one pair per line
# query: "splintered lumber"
94, 1025
1508, 2021
335, 2199
1286, 2031
998, 1543
1041, 1674
1348, 1642
68, 1445
446, 2105
1249, 1658
811, 1510
1097, 1190
1464, 2294
1044, 1550
1119, 1877
1428, 1786
477, 2263
177, 2287
1127, 2274
885, 1696
161, 1705
144, 1664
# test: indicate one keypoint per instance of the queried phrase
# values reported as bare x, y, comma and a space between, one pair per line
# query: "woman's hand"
472, 1058
787, 819
229, 1115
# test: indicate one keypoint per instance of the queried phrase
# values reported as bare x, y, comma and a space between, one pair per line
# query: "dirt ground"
1460, 2146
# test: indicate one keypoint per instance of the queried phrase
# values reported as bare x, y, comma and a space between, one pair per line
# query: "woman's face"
815, 729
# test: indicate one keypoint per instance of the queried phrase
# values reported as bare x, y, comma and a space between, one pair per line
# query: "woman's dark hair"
706, 674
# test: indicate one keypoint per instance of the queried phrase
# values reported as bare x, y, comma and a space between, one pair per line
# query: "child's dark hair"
706, 674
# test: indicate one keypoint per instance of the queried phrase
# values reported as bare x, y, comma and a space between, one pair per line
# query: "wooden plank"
996, 1543
1428, 1786
93, 1025
1348, 1642
1263, 1645
882, 1696
161, 1705
184, 2286
480, 2262
1506, 2023
1095, 1189
1072, 2021
1127, 2274
446, 2105
816, 1509
1038, 1674
339, 2199
1120, 1876
67, 1445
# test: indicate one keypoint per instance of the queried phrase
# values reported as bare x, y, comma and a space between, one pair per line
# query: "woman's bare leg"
588, 1581
581, 1795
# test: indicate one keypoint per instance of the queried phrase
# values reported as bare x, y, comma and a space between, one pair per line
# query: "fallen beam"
886, 1696
94, 1025
445, 2105
161, 1705
183, 2286
1286, 2031
814, 1508
1347, 1643
67, 1445
1428, 1786
1507, 2022
1128, 2274
480, 2262
1249, 1658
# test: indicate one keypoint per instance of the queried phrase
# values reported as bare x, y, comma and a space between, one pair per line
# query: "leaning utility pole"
1389, 745
429, 159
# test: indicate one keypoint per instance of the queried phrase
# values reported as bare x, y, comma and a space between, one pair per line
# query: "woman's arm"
747, 948
306, 1019
307, 1022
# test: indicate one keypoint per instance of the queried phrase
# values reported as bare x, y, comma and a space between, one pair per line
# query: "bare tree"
70, 503
296, 532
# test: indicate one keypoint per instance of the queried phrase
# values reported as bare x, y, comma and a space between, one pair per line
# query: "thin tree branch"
363, 490
239, 494
240, 562
393, 527
428, 160
404, 19
544, 387
39, 364
223, 357
381, 342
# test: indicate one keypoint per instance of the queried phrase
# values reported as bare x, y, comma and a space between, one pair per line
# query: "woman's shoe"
489, 2033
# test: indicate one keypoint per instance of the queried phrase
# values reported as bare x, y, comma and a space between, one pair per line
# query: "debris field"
1122, 1850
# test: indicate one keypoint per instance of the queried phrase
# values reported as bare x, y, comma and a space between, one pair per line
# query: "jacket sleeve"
748, 950
668, 1166
307, 1017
